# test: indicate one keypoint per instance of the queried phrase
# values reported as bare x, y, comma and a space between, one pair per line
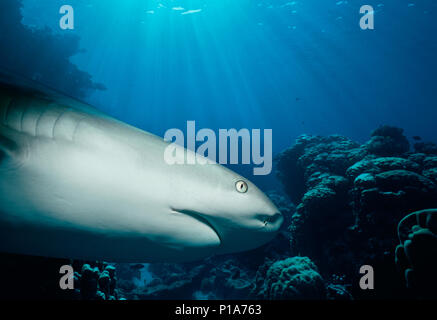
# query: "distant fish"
417, 138
288, 4
191, 11
297, 99
137, 266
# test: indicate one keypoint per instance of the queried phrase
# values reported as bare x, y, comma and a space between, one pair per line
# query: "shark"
76, 183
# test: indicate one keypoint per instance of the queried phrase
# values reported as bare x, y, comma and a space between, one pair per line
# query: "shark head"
234, 214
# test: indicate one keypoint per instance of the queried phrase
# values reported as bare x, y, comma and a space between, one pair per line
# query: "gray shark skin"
76, 183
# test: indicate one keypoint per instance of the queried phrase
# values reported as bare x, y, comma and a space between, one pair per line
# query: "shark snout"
250, 233
269, 215
274, 221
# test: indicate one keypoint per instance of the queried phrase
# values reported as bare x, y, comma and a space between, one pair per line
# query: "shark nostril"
274, 219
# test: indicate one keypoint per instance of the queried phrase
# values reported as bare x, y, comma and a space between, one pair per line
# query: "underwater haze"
297, 67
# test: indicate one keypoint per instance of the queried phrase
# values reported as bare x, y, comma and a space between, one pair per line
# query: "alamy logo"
367, 281
228, 147
67, 20
367, 21
67, 280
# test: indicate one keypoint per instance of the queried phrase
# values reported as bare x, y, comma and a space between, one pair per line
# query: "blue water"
293, 66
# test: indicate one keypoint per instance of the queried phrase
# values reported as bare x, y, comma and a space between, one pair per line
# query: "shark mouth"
200, 218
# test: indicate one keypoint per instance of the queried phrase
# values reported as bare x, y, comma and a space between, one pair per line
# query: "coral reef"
96, 281
315, 155
41, 54
313, 174
387, 141
425, 147
350, 198
295, 278
214, 278
416, 256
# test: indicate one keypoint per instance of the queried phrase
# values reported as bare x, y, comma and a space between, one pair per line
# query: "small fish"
137, 266
191, 11
417, 138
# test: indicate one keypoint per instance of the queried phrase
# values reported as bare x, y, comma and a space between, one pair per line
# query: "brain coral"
294, 278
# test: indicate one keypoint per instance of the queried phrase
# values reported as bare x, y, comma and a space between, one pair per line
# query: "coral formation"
416, 256
313, 155
215, 278
425, 147
96, 283
295, 278
29, 50
387, 141
347, 210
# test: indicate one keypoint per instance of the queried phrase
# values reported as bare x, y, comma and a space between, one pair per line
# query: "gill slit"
7, 108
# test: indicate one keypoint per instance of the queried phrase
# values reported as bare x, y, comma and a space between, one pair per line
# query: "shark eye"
241, 186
